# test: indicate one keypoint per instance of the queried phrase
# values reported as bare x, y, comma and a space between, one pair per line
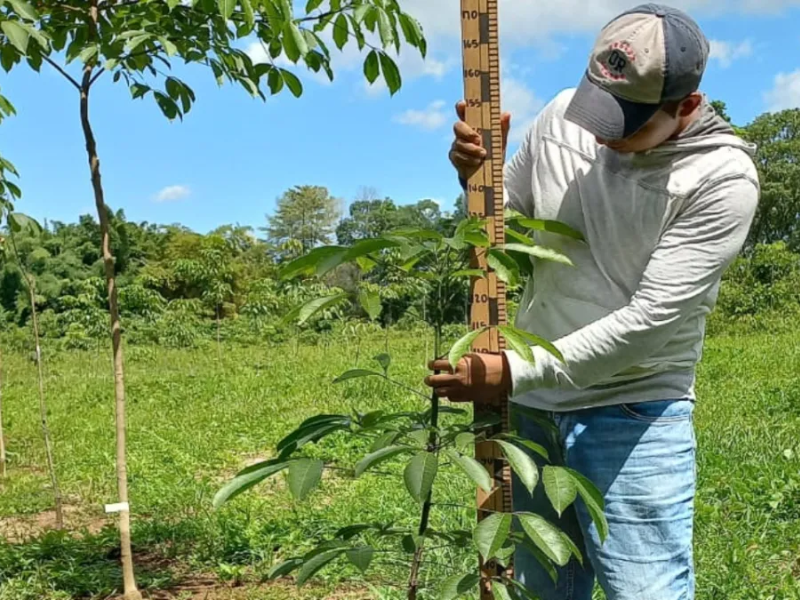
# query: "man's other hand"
467, 152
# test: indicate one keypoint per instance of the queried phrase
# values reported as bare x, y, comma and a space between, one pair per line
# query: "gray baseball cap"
643, 59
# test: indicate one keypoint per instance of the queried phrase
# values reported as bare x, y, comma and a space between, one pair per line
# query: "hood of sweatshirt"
708, 131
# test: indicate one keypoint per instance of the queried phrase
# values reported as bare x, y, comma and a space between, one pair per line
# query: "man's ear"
690, 104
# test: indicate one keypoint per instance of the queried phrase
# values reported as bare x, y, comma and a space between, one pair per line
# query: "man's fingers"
461, 110
440, 365
466, 133
440, 381
470, 149
464, 160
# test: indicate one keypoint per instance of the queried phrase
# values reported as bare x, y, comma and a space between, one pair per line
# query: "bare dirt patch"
76, 520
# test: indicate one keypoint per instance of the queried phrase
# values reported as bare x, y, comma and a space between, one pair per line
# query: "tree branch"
58, 68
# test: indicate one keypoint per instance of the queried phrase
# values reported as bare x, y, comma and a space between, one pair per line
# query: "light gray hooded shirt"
661, 227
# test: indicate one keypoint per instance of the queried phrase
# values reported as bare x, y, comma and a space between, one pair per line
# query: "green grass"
193, 422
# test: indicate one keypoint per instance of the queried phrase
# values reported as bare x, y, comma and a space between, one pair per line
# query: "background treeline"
179, 287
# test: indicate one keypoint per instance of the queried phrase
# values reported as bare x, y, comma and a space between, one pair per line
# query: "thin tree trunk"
51, 466
129, 581
433, 442
3, 468
219, 347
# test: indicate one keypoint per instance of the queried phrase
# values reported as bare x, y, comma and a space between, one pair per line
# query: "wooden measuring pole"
485, 200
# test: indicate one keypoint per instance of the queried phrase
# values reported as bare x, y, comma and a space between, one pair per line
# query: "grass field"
193, 421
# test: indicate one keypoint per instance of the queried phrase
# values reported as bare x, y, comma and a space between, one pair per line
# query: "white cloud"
727, 52
528, 23
786, 92
430, 118
172, 193
523, 104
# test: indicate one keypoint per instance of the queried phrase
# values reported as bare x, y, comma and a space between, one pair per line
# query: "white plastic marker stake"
118, 507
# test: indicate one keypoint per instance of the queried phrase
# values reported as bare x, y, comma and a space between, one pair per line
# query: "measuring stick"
485, 201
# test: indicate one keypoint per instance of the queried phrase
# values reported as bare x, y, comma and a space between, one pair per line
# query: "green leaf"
139, 90
6, 107
371, 303
593, 499
573, 548
533, 446
465, 440
24, 10
551, 227
532, 340
474, 470
492, 533
540, 252
360, 11
351, 531
361, 557
385, 361
341, 31
517, 343
411, 29
17, 35
560, 487
375, 458
292, 82
304, 476
248, 478
469, 273
294, 44
390, 73
522, 464
420, 474
463, 346
458, 586
308, 264
372, 66
542, 558
547, 537
385, 27
384, 440
21, 223
167, 105
315, 564
313, 5
249, 17
505, 266
137, 41
304, 312
356, 374
312, 431
500, 591
525, 593
226, 8
284, 568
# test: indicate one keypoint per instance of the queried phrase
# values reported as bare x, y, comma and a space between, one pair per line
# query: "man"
664, 193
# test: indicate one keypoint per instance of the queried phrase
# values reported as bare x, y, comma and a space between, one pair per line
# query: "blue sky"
233, 156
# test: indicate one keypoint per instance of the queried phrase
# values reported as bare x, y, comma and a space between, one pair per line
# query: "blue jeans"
642, 458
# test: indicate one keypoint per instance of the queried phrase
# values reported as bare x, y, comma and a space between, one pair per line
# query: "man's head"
642, 80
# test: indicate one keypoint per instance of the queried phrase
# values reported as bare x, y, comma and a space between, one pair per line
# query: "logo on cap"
618, 59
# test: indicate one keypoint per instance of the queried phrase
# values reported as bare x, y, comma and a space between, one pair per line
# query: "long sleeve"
688, 261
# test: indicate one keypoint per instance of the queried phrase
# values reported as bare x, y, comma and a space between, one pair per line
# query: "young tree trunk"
3, 468
131, 592
219, 346
51, 466
433, 442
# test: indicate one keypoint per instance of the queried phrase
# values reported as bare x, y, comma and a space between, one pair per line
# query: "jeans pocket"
660, 411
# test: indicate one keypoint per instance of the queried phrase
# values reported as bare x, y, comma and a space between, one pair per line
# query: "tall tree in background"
777, 136
722, 109
134, 41
307, 214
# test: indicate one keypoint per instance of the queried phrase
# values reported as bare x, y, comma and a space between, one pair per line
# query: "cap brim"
605, 115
